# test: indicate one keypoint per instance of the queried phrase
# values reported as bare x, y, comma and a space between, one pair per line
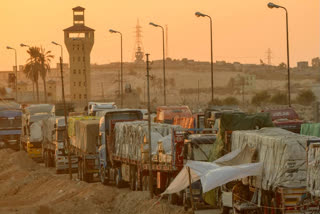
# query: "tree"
32, 68
260, 98
231, 101
279, 98
44, 61
282, 65
306, 97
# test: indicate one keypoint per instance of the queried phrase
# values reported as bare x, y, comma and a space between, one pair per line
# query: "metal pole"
149, 132
65, 118
164, 68
16, 73
190, 189
288, 58
121, 72
212, 93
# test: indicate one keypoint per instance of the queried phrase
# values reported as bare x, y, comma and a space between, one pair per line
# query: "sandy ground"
27, 187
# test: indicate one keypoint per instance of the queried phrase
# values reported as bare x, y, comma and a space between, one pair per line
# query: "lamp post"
65, 109
198, 14
121, 67
272, 5
16, 70
164, 63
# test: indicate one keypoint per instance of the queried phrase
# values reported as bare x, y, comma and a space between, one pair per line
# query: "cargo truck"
54, 147
124, 151
83, 137
10, 125
31, 132
283, 180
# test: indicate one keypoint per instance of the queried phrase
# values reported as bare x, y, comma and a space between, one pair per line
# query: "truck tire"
145, 183
138, 184
132, 178
104, 180
117, 179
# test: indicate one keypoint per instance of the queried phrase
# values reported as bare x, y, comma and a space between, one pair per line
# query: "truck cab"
166, 114
94, 107
32, 136
10, 125
106, 138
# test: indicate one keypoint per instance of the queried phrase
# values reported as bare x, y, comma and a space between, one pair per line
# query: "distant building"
51, 91
316, 62
302, 65
79, 40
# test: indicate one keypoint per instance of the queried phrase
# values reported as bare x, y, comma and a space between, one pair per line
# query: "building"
316, 62
302, 65
51, 91
79, 40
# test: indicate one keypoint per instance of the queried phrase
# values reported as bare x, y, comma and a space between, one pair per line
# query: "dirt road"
27, 187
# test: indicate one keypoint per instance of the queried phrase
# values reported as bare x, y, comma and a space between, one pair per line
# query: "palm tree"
32, 67
44, 61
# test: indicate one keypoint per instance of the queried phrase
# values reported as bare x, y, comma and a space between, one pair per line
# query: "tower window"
74, 71
74, 96
84, 83
79, 71
85, 96
73, 58
84, 59
79, 58
79, 83
79, 96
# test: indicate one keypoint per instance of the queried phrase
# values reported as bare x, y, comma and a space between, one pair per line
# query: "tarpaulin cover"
87, 133
283, 154
48, 128
201, 145
313, 173
217, 173
232, 122
40, 108
310, 129
129, 137
72, 120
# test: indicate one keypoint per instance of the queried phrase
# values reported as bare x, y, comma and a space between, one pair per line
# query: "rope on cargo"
276, 208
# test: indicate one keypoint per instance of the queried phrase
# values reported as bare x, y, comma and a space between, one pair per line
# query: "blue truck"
10, 125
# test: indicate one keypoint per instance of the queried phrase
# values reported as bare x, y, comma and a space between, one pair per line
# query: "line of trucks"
113, 147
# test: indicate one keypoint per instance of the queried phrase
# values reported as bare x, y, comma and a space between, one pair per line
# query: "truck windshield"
10, 123
60, 136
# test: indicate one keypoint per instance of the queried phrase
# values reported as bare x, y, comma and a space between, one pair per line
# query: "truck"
10, 125
283, 180
83, 136
54, 147
286, 118
213, 113
166, 114
31, 133
124, 151
94, 107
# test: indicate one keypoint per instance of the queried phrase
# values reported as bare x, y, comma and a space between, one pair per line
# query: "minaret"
79, 40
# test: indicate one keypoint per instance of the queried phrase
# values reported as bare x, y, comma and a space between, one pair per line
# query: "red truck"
166, 114
286, 119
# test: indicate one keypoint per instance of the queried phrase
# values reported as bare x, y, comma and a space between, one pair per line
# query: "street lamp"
164, 63
272, 5
121, 67
65, 109
198, 14
24, 45
16, 70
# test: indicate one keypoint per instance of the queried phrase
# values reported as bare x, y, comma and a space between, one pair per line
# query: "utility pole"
149, 131
102, 90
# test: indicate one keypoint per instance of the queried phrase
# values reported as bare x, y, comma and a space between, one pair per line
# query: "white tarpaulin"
216, 173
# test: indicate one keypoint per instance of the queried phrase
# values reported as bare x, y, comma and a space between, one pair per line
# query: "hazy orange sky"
243, 30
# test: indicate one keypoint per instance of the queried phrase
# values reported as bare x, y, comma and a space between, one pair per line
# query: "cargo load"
283, 154
72, 120
310, 129
130, 136
87, 133
313, 175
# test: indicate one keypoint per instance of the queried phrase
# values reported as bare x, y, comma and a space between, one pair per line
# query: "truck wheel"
117, 179
145, 183
132, 179
138, 181
103, 178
